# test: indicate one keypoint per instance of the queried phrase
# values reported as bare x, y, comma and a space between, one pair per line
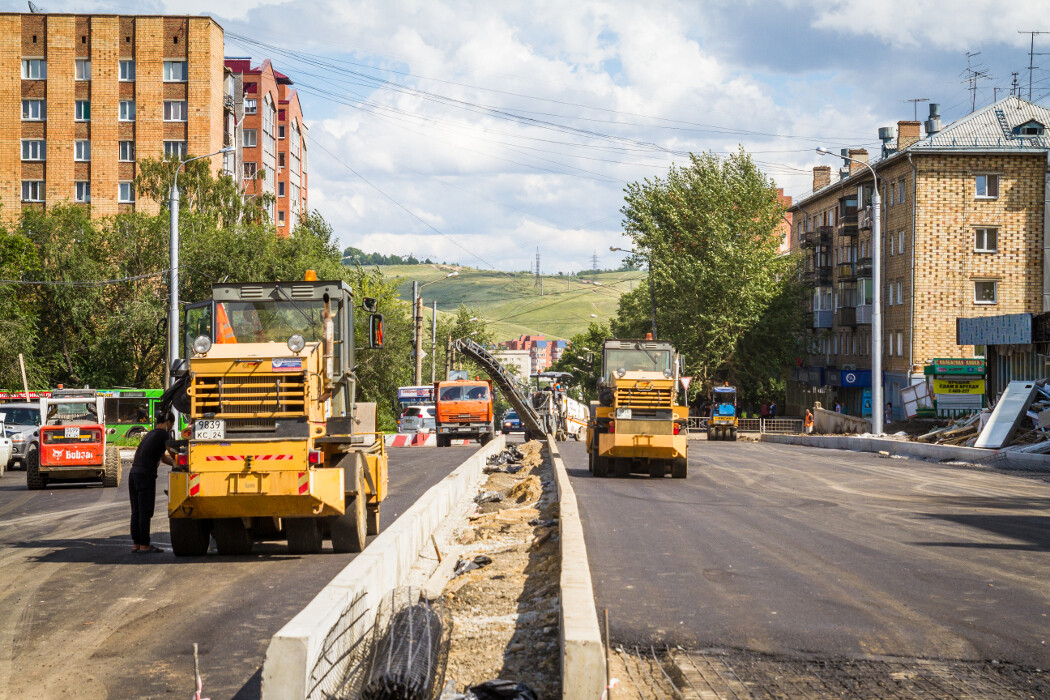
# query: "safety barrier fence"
698, 424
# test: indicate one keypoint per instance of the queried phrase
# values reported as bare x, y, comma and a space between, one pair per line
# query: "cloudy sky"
477, 132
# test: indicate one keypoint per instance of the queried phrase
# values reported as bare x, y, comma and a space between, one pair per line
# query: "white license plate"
623, 414
73, 432
209, 430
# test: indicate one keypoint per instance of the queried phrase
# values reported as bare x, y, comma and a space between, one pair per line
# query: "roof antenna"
35, 9
915, 105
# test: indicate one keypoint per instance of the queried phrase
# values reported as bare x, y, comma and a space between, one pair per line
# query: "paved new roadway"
81, 616
785, 549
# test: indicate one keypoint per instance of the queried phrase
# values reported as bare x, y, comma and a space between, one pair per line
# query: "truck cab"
463, 409
277, 448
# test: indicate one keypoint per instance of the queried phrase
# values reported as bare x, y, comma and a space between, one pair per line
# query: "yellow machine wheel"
189, 537
350, 530
231, 537
680, 468
657, 469
304, 535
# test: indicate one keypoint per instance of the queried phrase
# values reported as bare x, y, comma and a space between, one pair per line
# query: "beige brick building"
964, 231
83, 97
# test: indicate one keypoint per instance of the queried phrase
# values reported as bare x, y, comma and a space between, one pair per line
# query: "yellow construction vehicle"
637, 425
277, 448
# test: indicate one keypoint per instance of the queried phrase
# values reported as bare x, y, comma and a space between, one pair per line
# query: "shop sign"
958, 386
957, 365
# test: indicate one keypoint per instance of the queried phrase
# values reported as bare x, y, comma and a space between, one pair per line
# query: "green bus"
130, 411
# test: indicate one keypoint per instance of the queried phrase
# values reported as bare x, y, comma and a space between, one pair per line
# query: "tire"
304, 535
581, 435
601, 467
590, 461
111, 477
657, 469
679, 468
232, 538
350, 530
373, 519
621, 468
34, 479
137, 431
189, 537
485, 438
443, 441
732, 434
710, 434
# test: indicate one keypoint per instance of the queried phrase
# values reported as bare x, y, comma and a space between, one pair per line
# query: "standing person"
773, 409
142, 481
889, 411
764, 410
808, 422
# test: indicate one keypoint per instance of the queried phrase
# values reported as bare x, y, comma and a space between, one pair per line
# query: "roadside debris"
1019, 422
465, 565
488, 497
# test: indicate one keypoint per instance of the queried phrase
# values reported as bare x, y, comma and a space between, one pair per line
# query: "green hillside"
511, 302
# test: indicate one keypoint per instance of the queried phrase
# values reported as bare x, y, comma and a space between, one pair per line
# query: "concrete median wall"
583, 656
383, 566
1002, 459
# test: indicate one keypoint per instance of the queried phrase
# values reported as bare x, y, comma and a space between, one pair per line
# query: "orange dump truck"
463, 409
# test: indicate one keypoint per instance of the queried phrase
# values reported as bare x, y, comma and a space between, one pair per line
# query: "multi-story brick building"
83, 97
273, 141
964, 230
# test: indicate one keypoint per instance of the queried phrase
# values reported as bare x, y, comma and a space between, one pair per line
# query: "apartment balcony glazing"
820, 236
846, 272
846, 316
863, 315
863, 267
864, 219
847, 224
822, 319
818, 277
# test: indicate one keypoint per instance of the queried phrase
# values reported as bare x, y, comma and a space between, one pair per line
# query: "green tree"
583, 360
725, 296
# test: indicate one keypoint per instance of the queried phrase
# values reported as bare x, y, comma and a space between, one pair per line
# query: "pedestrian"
772, 409
808, 422
838, 406
764, 410
142, 481
889, 411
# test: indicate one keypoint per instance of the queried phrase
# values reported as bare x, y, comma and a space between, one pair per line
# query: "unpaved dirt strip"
81, 616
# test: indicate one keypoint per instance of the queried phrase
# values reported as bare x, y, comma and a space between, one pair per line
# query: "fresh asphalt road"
81, 616
784, 549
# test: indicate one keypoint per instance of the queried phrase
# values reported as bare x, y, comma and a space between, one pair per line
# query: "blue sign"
1006, 329
287, 364
856, 377
865, 403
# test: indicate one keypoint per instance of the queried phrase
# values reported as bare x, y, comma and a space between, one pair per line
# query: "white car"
5, 446
417, 419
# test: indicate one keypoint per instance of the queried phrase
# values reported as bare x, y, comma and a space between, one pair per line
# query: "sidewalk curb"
582, 651
998, 459
383, 565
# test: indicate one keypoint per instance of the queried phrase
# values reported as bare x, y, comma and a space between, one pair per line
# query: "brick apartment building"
82, 97
272, 140
542, 352
964, 230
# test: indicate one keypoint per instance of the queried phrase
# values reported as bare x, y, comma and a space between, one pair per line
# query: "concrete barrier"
295, 649
582, 653
1001, 459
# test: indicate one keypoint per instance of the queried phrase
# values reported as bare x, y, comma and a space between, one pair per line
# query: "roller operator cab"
637, 424
276, 446
723, 423
72, 441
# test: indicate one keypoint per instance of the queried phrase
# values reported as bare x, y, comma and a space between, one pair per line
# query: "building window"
83, 111
33, 149
174, 110
81, 150
900, 344
985, 291
889, 295
82, 191
127, 151
127, 110
32, 190
987, 186
280, 132
175, 149
900, 243
175, 72
34, 69
985, 240
249, 138
900, 292
83, 69
250, 169
280, 160
34, 110
126, 192
280, 218
900, 192
250, 106
280, 189
127, 71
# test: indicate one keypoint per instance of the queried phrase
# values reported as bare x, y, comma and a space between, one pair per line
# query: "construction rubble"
1019, 422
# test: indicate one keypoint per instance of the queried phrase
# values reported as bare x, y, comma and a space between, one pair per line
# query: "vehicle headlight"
202, 345
18, 438
622, 371
296, 343
667, 373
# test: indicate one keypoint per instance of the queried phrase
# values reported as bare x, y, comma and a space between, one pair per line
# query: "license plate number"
72, 432
623, 414
209, 430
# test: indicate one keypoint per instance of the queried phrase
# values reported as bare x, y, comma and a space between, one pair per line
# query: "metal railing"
698, 424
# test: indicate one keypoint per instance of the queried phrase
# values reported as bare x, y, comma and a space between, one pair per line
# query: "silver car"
418, 419
21, 424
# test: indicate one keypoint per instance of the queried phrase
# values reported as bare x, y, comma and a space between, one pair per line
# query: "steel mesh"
344, 652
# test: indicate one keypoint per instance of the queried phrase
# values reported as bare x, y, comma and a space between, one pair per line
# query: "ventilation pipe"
887, 135
933, 124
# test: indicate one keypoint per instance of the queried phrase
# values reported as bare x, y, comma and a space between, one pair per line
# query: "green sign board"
955, 366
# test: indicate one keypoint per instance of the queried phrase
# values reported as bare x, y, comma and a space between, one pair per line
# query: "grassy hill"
511, 302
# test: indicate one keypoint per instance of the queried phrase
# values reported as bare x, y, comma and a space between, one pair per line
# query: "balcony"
864, 219
847, 225
819, 277
846, 316
864, 314
864, 268
822, 319
846, 272
819, 236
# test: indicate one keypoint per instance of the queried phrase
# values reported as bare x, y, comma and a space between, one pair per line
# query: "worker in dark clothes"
142, 481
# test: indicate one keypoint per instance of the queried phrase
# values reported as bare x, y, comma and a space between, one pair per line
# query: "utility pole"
448, 357
433, 342
1031, 59
419, 340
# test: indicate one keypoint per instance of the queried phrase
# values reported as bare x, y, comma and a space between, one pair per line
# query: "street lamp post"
173, 291
417, 316
876, 300
652, 291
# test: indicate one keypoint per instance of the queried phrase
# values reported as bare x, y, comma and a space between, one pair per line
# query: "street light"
876, 301
652, 292
173, 299
417, 315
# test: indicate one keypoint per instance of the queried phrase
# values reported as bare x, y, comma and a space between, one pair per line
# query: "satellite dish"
34, 9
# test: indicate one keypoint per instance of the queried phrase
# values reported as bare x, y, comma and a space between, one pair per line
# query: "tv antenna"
973, 74
1031, 59
915, 104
